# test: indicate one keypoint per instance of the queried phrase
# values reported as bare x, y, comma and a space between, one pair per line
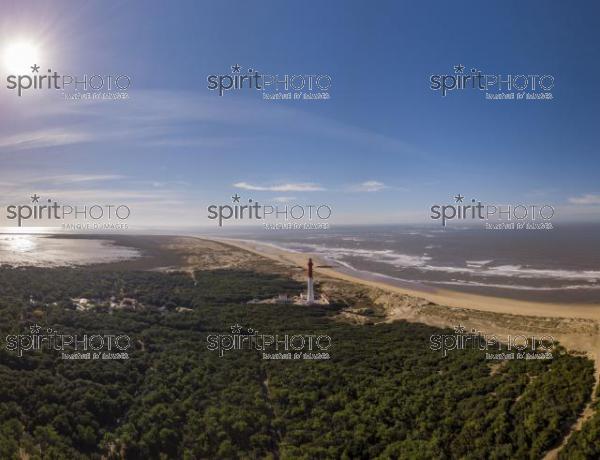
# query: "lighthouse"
310, 293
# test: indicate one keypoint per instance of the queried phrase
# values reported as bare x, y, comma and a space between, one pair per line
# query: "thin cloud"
78, 178
283, 199
289, 187
88, 195
42, 139
369, 186
588, 198
163, 119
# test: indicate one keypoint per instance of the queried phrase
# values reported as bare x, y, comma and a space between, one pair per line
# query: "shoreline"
444, 297
574, 326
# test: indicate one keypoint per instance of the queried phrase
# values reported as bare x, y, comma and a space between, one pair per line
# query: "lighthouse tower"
310, 293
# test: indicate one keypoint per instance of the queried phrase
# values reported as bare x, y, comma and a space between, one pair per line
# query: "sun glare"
20, 56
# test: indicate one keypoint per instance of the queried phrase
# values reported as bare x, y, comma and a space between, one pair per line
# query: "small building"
283, 298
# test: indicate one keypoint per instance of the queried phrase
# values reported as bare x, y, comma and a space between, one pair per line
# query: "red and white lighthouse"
310, 293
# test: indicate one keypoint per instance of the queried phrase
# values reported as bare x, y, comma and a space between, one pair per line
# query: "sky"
382, 149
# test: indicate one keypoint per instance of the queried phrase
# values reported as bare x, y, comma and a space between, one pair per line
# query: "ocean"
557, 265
19, 250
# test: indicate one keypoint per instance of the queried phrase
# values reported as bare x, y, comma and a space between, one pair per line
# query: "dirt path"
275, 435
586, 414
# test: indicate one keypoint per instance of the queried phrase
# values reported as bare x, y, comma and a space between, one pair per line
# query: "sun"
20, 56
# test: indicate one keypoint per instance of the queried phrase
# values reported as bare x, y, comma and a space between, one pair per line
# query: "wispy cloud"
284, 199
26, 181
78, 178
289, 187
85, 195
588, 198
83, 187
42, 139
164, 118
369, 186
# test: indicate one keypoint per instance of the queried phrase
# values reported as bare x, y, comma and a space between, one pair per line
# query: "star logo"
460, 329
35, 329
459, 68
459, 198
35, 68
235, 68
35, 198
236, 329
235, 198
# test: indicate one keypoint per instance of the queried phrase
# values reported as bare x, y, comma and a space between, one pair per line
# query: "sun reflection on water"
19, 243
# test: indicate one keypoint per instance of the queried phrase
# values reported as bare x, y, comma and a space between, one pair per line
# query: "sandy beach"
577, 327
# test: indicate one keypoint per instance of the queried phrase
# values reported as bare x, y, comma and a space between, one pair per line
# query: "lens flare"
19, 57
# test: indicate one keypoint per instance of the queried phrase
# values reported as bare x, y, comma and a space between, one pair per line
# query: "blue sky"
385, 146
